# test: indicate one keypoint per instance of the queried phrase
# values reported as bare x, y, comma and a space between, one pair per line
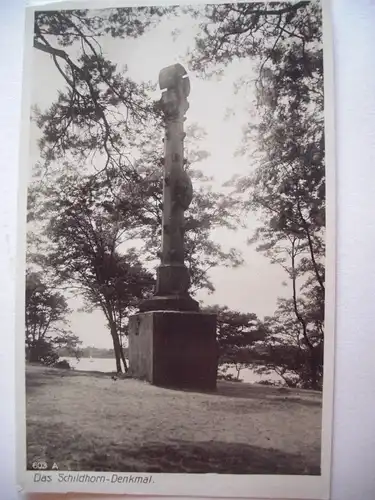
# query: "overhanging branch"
50, 50
279, 12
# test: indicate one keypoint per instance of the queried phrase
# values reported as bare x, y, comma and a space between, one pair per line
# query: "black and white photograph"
177, 295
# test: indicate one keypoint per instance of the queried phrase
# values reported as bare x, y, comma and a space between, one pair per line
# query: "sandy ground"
87, 421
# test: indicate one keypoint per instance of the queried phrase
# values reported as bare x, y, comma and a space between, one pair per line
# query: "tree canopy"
99, 106
286, 188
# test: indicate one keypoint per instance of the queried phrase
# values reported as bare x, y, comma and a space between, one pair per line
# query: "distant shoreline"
88, 357
108, 365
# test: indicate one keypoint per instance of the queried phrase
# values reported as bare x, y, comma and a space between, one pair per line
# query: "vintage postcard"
177, 250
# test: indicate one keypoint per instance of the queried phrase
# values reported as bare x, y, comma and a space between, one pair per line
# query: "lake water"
108, 365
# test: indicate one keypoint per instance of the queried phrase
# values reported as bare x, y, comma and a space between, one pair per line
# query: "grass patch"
86, 421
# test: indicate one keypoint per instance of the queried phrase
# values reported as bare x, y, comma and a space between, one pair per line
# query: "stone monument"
171, 342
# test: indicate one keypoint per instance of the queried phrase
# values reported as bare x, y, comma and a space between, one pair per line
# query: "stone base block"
174, 349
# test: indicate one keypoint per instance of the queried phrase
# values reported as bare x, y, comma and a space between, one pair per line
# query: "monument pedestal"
174, 349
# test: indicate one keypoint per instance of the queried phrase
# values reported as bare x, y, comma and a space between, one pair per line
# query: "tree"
285, 350
298, 323
285, 40
253, 30
84, 232
285, 141
237, 335
45, 322
99, 106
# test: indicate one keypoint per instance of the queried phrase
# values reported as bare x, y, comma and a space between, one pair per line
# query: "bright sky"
253, 287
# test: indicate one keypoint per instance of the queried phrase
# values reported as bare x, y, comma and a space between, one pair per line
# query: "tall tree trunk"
32, 354
312, 362
126, 368
295, 303
311, 248
119, 352
314, 367
117, 355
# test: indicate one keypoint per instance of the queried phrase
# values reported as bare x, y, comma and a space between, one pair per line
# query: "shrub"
62, 364
228, 377
42, 352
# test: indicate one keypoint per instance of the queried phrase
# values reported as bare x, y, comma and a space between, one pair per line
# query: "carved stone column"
171, 342
173, 281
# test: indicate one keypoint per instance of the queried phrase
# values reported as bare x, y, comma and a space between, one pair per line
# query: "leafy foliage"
64, 364
296, 358
45, 322
84, 233
100, 106
237, 335
287, 186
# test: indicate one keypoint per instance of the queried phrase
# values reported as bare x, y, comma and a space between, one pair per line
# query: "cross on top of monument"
174, 83
172, 77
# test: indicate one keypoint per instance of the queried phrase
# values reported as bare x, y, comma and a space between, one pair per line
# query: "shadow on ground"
176, 456
36, 378
201, 457
242, 390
